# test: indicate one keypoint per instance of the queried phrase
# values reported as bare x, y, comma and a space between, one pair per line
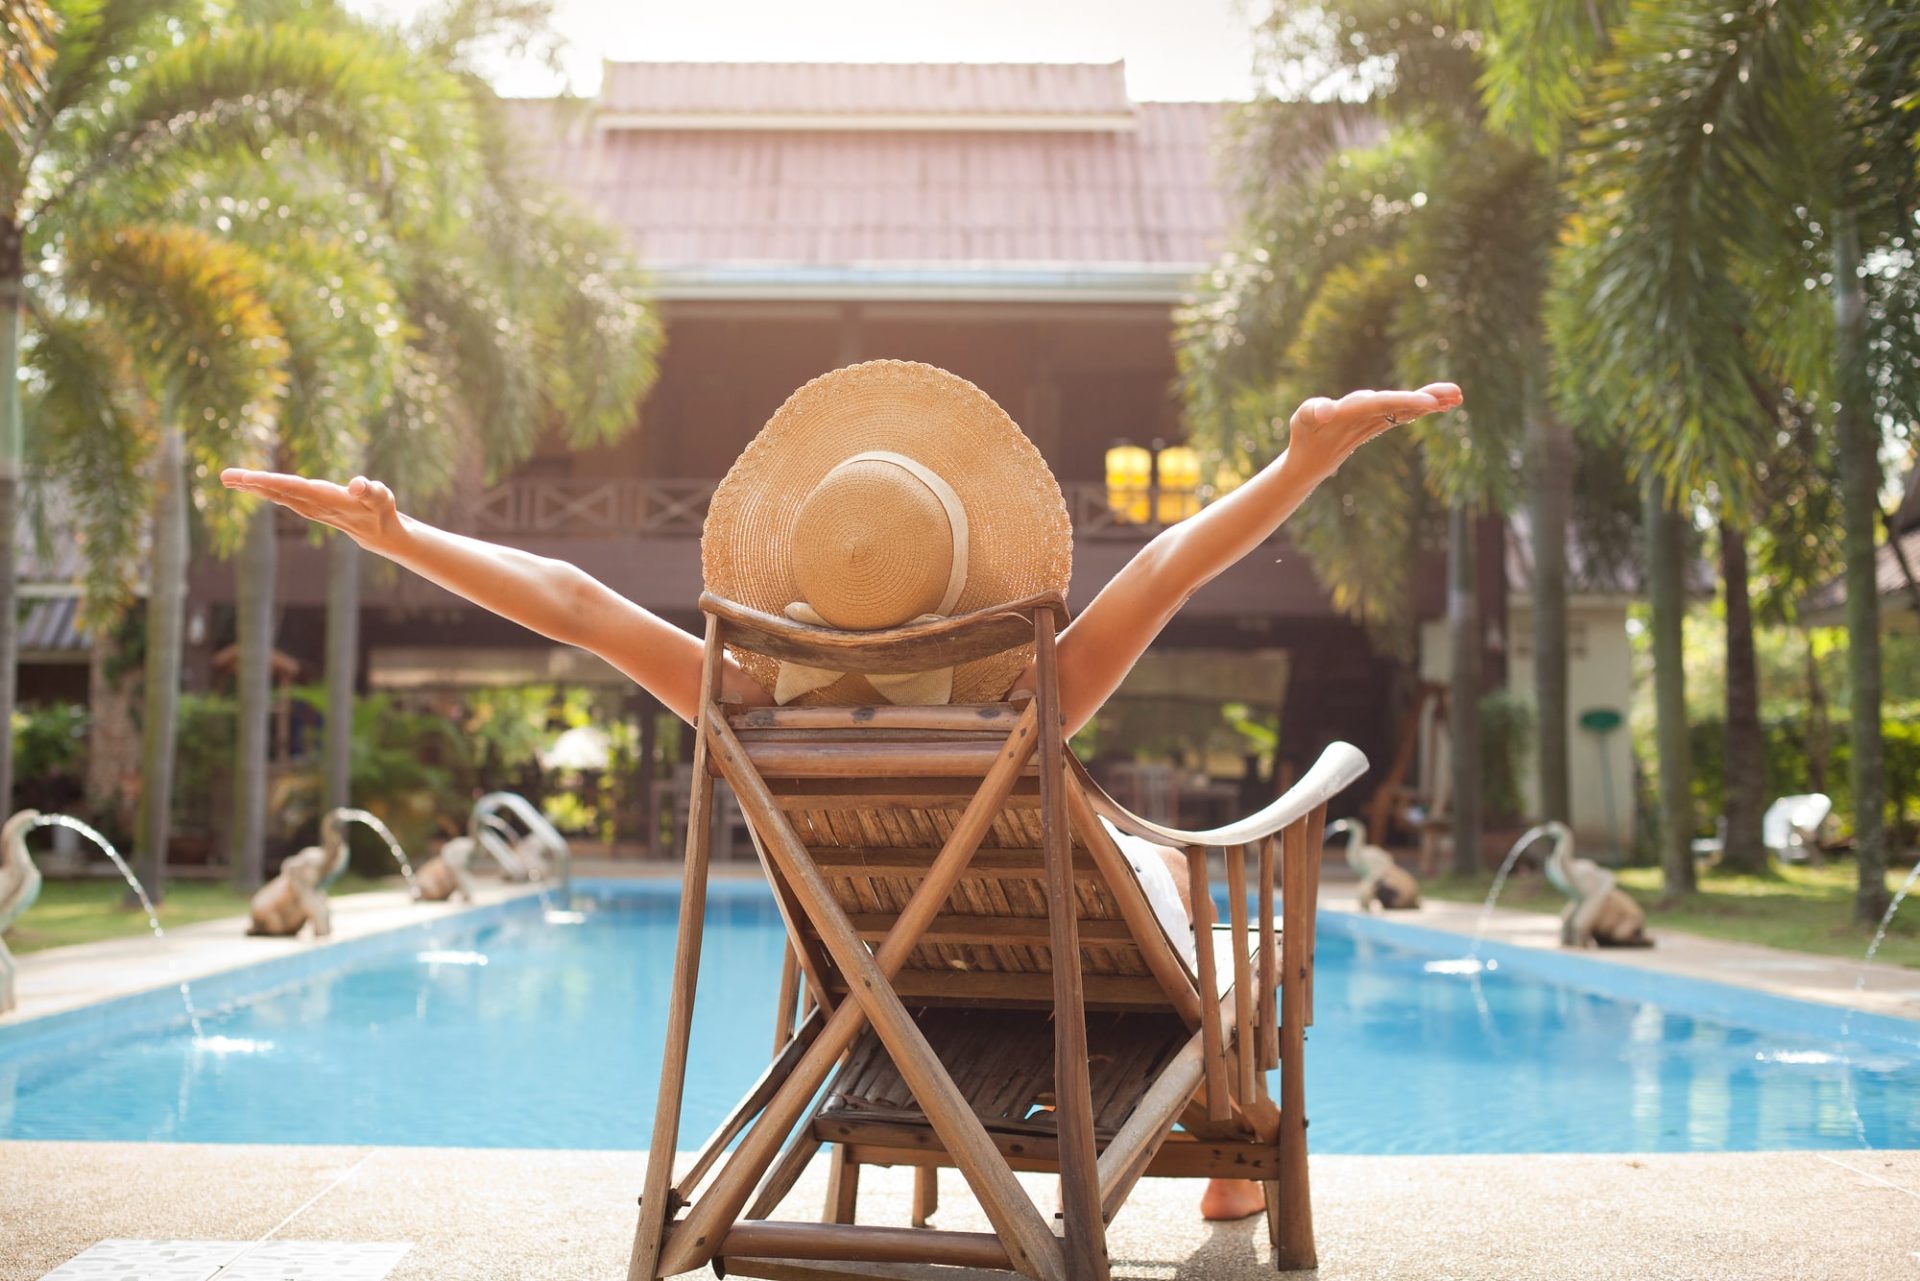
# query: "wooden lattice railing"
678, 507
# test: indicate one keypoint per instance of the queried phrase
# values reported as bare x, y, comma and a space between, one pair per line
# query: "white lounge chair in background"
1790, 829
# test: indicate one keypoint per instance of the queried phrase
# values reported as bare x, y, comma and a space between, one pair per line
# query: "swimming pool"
498, 1028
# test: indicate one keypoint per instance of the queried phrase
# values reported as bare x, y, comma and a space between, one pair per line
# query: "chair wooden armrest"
917, 647
1338, 768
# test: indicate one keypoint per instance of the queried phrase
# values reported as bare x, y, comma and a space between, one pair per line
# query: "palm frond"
1677, 187
482, 344
419, 437
1477, 266
595, 336
1538, 58
26, 66
193, 310
390, 124
92, 429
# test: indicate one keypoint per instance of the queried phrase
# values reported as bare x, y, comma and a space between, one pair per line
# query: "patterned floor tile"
130, 1260
126, 1260
315, 1261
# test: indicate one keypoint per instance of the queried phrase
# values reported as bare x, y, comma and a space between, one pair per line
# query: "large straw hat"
880, 494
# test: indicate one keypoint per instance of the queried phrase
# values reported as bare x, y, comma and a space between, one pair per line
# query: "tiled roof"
52, 625
834, 88
1141, 197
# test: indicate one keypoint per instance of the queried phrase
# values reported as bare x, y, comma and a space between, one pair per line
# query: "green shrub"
1506, 742
49, 740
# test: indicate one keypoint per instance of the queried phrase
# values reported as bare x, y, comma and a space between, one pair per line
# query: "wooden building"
1026, 226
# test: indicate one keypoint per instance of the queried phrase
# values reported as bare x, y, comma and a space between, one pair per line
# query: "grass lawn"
1808, 909
84, 911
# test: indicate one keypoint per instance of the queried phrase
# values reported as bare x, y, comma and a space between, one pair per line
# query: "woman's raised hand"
1324, 432
361, 509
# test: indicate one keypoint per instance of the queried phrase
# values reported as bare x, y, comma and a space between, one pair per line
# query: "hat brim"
1020, 541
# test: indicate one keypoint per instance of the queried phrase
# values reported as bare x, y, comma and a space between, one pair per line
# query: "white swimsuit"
1158, 885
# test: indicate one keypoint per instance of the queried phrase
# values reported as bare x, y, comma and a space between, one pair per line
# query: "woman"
879, 494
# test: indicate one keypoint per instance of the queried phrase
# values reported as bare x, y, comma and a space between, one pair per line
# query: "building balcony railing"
677, 508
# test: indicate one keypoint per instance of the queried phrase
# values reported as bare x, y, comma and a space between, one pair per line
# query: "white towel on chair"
1163, 895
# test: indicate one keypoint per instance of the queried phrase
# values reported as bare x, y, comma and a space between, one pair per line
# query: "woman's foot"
1229, 1199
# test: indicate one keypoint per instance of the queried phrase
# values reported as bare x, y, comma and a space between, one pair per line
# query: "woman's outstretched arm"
560, 601
1103, 643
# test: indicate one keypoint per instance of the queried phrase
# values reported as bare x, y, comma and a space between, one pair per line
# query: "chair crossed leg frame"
761, 1171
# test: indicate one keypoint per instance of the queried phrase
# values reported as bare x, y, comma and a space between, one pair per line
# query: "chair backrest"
876, 830
881, 799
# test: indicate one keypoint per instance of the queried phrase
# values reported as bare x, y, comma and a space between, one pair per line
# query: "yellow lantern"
1129, 479
1179, 467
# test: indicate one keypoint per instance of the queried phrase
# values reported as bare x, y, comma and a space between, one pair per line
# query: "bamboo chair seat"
932, 865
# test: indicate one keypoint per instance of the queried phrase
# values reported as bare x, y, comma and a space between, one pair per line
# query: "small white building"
1599, 678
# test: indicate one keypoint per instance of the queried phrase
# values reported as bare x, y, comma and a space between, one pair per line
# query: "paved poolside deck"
546, 1214
568, 1216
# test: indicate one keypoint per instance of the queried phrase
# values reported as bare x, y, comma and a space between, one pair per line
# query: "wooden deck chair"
921, 858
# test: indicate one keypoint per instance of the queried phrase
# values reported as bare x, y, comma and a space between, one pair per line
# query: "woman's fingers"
361, 504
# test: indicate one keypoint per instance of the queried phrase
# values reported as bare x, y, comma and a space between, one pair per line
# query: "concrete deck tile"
61, 1198
531, 1216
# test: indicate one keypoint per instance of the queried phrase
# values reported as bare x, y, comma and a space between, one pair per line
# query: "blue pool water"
500, 1029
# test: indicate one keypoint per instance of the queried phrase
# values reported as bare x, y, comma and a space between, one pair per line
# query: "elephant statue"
1598, 913
445, 874
1382, 880
19, 887
297, 895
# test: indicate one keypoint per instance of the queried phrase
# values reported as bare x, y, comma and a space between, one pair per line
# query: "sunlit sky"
1196, 50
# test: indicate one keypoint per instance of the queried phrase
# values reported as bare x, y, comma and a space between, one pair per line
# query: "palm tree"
1732, 153
530, 318
344, 338
1410, 256
151, 342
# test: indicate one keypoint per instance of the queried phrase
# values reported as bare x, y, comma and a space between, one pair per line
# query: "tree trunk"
1666, 592
343, 660
253, 695
166, 604
1817, 724
1464, 639
1552, 503
12, 296
1858, 443
1746, 764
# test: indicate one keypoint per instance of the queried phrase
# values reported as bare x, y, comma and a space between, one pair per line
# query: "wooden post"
649, 772
926, 1193
843, 1186
1291, 1218
1216, 1059
1086, 1237
1243, 1040
783, 1006
656, 1208
1269, 965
